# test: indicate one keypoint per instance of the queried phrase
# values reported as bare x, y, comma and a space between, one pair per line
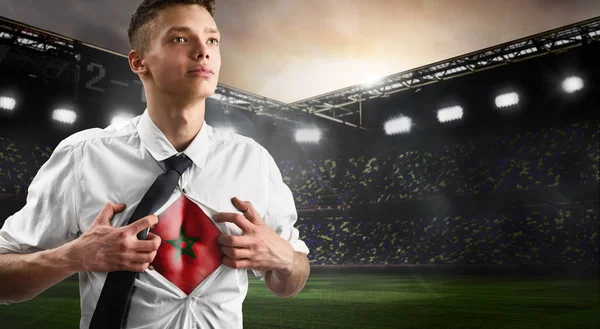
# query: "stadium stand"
567, 235
545, 159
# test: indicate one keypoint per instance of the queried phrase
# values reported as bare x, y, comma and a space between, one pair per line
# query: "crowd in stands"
546, 158
536, 159
543, 236
19, 162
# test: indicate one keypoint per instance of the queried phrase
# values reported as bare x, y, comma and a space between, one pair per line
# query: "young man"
182, 282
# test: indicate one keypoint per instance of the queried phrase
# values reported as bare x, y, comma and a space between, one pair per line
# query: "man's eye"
214, 41
179, 39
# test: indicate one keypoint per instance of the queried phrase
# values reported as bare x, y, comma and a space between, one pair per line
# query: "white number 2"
101, 74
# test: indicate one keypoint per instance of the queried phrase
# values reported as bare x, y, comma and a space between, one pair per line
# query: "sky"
290, 50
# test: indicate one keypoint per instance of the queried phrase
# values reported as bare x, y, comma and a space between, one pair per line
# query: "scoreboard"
107, 79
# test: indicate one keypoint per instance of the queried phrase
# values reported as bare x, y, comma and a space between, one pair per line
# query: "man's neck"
179, 123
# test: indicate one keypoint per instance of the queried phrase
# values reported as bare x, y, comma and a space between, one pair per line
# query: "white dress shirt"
119, 164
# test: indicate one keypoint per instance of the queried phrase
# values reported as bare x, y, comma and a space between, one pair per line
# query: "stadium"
461, 194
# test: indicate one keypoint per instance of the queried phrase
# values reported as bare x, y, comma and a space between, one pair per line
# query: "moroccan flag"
189, 251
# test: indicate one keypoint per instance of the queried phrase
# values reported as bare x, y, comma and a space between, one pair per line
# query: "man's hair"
140, 26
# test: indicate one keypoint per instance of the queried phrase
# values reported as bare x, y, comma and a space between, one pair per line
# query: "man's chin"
205, 94
204, 90
191, 92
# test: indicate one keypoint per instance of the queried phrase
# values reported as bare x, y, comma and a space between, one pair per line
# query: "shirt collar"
160, 148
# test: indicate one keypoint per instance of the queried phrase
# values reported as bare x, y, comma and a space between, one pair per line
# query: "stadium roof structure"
58, 58
336, 105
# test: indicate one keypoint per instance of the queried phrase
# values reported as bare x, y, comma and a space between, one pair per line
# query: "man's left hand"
259, 247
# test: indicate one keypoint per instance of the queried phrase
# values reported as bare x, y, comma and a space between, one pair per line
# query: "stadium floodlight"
121, 117
64, 116
308, 135
572, 84
7, 103
398, 125
506, 100
450, 114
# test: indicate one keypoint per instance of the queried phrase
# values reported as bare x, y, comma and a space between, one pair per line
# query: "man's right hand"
103, 248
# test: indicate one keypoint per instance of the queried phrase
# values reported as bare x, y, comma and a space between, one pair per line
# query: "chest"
211, 186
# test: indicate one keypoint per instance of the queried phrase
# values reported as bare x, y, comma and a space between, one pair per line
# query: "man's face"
183, 57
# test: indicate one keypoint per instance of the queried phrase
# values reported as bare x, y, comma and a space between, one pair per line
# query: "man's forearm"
24, 276
290, 286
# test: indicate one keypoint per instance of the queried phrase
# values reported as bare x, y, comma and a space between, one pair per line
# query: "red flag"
189, 251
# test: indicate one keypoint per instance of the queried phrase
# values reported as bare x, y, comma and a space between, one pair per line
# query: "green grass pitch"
375, 301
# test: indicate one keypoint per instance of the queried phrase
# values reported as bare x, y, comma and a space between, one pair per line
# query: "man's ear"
136, 63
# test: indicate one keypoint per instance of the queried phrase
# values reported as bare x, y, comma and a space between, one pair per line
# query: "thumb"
107, 213
247, 209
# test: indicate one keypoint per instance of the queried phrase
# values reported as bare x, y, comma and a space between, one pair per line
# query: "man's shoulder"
115, 131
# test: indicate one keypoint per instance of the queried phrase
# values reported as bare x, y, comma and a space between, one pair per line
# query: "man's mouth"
202, 70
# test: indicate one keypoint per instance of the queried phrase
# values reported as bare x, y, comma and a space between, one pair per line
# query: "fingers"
152, 243
141, 254
235, 241
241, 263
136, 267
247, 209
142, 224
107, 213
242, 222
236, 253
142, 257
245, 221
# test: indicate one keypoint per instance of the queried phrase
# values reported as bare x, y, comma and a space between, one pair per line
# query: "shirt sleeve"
281, 215
49, 217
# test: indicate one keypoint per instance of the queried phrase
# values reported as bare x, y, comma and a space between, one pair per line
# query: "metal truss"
231, 97
38, 52
335, 105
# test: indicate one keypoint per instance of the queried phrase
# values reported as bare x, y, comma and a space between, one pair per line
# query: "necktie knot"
178, 163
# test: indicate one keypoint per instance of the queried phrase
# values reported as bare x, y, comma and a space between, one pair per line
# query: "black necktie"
113, 305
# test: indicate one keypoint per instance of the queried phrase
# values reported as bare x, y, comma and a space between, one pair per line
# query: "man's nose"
201, 52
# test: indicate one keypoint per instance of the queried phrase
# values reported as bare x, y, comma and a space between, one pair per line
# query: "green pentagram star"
187, 249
